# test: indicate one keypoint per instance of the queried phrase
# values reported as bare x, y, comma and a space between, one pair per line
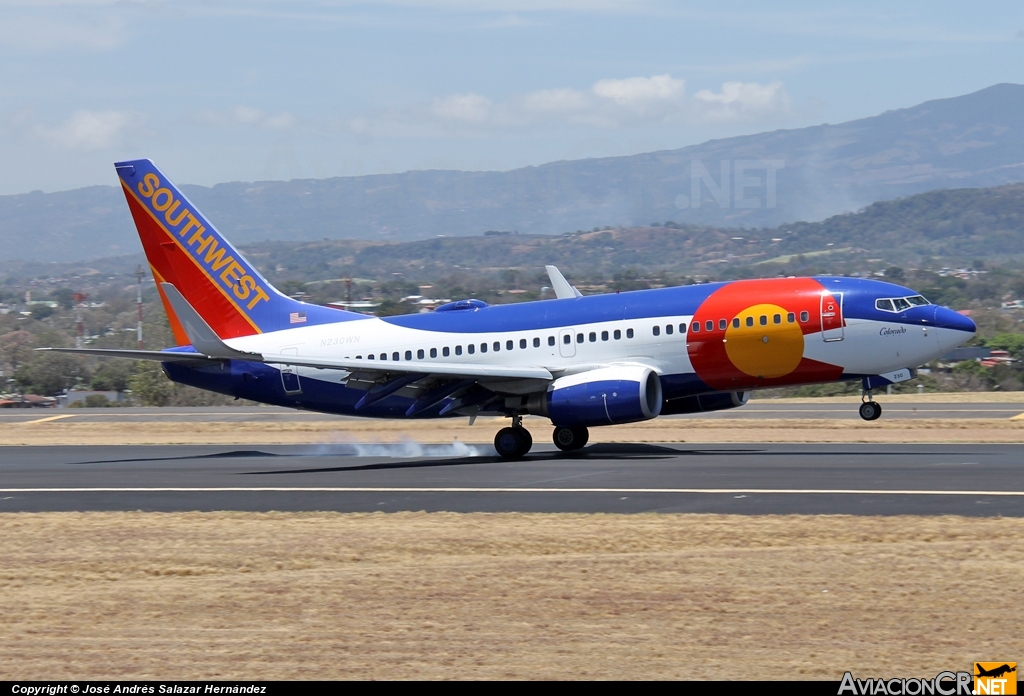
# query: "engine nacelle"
605, 396
717, 401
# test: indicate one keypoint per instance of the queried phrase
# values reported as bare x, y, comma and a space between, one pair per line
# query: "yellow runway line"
50, 418
1019, 416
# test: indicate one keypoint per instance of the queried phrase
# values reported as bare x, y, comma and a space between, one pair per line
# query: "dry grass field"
416, 595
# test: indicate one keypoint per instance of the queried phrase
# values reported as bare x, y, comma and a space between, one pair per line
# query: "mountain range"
747, 182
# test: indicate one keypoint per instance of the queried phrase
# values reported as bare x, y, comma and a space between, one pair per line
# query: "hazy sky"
225, 91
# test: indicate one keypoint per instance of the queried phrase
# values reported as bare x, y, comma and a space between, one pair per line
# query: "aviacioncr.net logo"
943, 684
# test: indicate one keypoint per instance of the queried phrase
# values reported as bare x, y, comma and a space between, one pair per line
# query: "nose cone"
946, 318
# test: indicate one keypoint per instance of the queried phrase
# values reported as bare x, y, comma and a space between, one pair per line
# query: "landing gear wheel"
870, 410
569, 439
513, 443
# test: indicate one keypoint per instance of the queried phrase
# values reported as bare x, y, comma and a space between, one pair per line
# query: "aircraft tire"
513, 443
870, 410
570, 439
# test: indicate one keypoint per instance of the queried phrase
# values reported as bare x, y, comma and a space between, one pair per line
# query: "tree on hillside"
51, 373
15, 349
150, 385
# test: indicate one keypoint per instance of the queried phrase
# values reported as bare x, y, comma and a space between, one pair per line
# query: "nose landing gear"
869, 410
513, 442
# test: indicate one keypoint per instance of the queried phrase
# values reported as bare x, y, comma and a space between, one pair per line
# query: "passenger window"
901, 304
383, 356
790, 318
750, 321
884, 305
497, 346
593, 336
764, 320
682, 328
522, 342
408, 355
579, 338
445, 352
722, 324
483, 347
709, 325
471, 348
604, 335
668, 329
394, 356
359, 357
433, 352
458, 350
567, 339
804, 316
695, 327
617, 335
536, 342
419, 354
509, 345
777, 318
657, 330
551, 340
629, 333
735, 322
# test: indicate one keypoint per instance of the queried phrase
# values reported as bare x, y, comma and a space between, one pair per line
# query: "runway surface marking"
49, 418
403, 489
1018, 417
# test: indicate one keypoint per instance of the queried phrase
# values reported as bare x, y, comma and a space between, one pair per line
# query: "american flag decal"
297, 318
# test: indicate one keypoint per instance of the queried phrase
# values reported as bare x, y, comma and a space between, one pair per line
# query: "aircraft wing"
560, 285
410, 367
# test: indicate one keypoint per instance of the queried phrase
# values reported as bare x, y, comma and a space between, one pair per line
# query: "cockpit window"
898, 304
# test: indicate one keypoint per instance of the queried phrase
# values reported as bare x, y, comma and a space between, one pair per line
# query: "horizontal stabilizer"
200, 335
159, 355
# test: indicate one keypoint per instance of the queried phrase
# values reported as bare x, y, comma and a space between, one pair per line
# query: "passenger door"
832, 316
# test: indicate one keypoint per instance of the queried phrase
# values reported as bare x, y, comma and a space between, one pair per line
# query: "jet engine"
717, 401
604, 396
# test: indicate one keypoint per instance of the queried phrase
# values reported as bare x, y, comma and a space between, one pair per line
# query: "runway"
754, 410
858, 479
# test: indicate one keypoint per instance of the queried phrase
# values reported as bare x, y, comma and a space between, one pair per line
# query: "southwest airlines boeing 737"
581, 361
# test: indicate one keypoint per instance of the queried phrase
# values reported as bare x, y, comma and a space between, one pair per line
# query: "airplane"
581, 361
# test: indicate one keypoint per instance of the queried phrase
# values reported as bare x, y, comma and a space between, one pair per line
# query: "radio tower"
139, 274
79, 298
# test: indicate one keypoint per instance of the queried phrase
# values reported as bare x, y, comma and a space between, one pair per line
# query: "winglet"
203, 338
560, 285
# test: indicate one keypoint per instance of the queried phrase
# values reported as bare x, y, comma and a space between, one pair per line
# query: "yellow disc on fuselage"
764, 350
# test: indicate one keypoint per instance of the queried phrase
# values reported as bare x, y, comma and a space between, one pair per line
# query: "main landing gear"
569, 439
514, 442
869, 410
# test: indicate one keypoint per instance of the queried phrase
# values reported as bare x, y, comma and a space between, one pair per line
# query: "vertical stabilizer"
186, 250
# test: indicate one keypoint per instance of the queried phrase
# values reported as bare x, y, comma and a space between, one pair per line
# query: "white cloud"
743, 100
87, 131
608, 104
248, 116
556, 101
468, 108
640, 90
